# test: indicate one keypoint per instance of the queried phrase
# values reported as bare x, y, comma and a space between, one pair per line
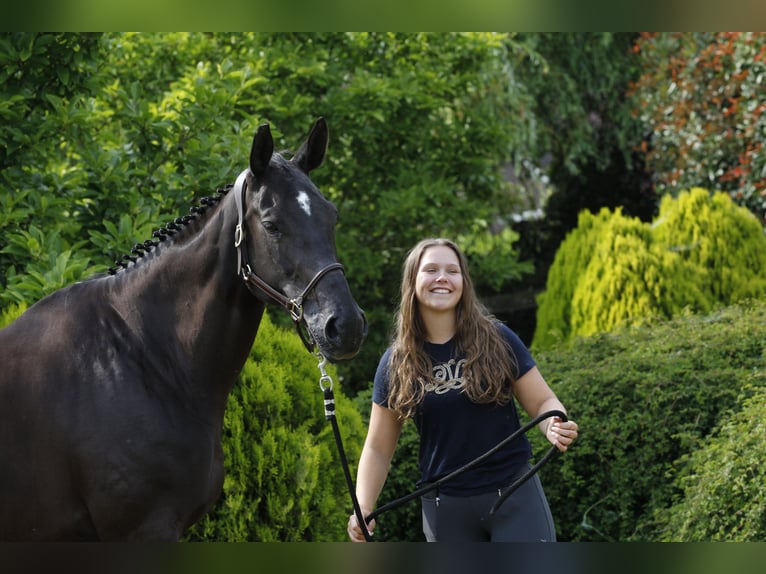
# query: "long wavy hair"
491, 367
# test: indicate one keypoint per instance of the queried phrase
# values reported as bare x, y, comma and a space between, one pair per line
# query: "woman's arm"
536, 397
374, 463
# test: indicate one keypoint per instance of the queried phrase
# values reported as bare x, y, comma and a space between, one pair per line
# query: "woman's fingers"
355, 531
562, 433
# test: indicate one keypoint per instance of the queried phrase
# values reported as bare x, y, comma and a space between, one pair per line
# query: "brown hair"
490, 367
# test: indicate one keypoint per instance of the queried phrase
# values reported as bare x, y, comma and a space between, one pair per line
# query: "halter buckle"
239, 235
296, 309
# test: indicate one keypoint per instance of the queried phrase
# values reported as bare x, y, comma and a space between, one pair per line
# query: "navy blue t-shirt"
454, 430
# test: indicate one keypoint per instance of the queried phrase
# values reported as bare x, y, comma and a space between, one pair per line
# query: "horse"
113, 389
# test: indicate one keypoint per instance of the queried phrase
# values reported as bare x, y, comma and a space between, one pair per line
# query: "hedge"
646, 398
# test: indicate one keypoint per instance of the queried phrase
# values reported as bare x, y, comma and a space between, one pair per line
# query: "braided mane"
168, 230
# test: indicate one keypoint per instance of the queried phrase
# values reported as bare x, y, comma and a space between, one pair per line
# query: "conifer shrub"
724, 241
702, 251
554, 314
284, 480
628, 279
11, 313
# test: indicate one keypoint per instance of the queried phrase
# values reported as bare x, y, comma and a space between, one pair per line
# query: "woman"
455, 370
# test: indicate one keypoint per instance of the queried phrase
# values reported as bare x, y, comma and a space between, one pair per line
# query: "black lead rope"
325, 383
478, 460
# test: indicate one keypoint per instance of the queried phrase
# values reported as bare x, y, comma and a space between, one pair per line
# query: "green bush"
10, 313
724, 491
630, 279
645, 398
284, 480
554, 313
701, 251
724, 241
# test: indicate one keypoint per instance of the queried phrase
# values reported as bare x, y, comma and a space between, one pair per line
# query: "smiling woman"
457, 372
439, 287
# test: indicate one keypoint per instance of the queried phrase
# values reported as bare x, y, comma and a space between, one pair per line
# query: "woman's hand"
560, 433
355, 530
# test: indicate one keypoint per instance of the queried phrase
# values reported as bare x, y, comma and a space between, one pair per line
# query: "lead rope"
326, 384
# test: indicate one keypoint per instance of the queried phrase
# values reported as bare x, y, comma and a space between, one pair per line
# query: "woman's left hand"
560, 433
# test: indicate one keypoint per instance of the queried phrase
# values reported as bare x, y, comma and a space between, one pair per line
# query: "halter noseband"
255, 284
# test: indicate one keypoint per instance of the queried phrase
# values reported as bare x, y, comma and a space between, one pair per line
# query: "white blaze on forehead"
304, 202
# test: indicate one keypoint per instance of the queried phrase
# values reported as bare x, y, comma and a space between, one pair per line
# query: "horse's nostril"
346, 331
331, 330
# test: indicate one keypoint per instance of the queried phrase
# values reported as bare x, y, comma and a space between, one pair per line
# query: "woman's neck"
440, 327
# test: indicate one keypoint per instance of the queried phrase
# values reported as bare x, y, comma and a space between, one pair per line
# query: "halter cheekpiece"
258, 286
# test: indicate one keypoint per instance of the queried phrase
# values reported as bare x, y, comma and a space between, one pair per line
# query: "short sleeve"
380, 385
524, 358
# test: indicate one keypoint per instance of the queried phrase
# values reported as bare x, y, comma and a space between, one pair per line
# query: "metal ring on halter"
295, 309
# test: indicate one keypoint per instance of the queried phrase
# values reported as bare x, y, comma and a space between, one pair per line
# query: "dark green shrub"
284, 480
645, 398
724, 490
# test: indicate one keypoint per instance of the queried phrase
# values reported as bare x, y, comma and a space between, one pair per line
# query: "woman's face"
439, 281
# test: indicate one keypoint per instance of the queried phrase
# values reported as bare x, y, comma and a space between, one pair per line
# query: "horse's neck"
187, 301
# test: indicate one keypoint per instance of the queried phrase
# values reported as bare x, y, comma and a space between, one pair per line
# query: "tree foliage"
701, 97
137, 125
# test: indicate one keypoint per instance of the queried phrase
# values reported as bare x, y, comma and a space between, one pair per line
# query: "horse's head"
291, 243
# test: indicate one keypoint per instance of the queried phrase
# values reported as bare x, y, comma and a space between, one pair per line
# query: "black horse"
112, 390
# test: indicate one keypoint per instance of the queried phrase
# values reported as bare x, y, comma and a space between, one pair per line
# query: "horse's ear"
260, 153
311, 154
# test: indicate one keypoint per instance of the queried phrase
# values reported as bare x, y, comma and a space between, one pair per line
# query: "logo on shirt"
447, 377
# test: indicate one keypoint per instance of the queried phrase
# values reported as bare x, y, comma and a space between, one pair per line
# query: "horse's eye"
270, 227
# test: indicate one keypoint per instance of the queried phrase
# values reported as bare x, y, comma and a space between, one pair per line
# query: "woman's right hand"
355, 530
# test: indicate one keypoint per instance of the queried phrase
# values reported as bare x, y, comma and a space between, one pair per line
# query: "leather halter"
255, 284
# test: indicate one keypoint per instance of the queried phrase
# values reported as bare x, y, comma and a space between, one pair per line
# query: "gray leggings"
523, 517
